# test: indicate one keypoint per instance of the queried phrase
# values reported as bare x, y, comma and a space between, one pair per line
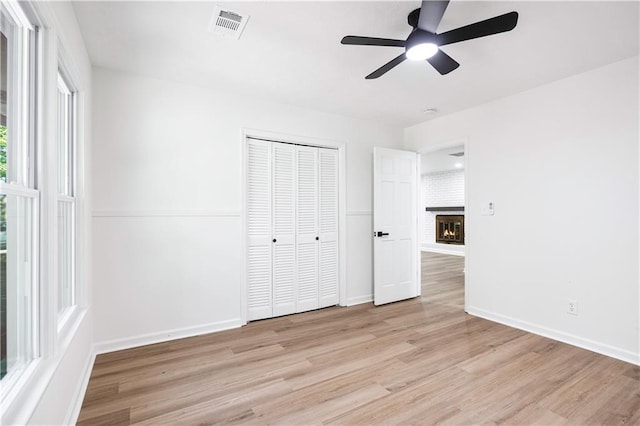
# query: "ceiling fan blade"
495, 25
372, 41
431, 12
443, 63
386, 67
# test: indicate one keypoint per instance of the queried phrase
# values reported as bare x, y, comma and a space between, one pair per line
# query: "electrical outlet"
572, 307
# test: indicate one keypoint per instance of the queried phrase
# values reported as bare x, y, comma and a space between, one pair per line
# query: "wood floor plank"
329, 389
427, 392
588, 389
208, 411
117, 417
184, 372
333, 369
320, 411
419, 361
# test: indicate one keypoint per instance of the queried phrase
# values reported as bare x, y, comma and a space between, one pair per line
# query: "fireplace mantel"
445, 209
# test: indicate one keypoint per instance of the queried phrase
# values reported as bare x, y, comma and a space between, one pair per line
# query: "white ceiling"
290, 52
442, 160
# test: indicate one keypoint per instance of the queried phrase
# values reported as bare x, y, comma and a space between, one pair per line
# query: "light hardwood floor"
421, 361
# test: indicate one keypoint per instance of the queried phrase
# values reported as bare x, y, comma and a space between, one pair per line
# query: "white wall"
167, 200
570, 146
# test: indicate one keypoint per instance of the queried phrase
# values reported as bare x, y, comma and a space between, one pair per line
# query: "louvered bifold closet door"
307, 228
259, 233
284, 228
328, 222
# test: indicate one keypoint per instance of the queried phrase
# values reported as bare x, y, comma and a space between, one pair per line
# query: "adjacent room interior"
442, 180
297, 212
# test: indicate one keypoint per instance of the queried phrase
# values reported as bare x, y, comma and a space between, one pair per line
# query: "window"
18, 199
66, 200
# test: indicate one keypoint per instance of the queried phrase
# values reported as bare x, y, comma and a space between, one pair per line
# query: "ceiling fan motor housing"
412, 18
419, 36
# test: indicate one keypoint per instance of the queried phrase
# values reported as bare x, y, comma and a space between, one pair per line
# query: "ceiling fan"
424, 42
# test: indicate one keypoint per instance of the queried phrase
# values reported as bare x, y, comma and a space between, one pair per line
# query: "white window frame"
66, 200
21, 183
19, 399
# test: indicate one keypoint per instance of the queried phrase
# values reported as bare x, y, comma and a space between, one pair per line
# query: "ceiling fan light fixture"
421, 51
420, 45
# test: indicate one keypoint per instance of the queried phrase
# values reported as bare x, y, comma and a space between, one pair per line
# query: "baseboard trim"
164, 336
360, 300
166, 213
601, 348
441, 251
359, 213
78, 397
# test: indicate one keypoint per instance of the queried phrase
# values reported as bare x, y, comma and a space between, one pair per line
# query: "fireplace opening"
450, 229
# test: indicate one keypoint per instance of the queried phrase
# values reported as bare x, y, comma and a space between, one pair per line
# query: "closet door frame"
247, 133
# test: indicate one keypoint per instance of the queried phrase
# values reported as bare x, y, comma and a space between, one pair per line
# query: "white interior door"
328, 224
259, 234
395, 221
307, 228
284, 229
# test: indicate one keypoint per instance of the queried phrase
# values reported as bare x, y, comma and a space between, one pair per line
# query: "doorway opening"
441, 233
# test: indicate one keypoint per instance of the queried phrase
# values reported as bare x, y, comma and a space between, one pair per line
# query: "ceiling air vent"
226, 23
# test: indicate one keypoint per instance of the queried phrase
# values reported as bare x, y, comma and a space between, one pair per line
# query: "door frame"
430, 149
342, 205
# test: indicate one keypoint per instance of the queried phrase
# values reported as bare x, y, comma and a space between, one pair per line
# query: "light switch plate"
488, 208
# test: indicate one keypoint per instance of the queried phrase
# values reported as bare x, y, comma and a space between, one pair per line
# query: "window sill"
65, 319
21, 398
21, 395
68, 326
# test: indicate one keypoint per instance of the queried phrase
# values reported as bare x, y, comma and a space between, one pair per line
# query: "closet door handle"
382, 234
317, 238
274, 240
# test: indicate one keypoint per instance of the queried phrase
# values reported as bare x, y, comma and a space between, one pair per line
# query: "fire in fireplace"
450, 229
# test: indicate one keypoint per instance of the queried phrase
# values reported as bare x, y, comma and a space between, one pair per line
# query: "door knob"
274, 240
382, 234
317, 238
